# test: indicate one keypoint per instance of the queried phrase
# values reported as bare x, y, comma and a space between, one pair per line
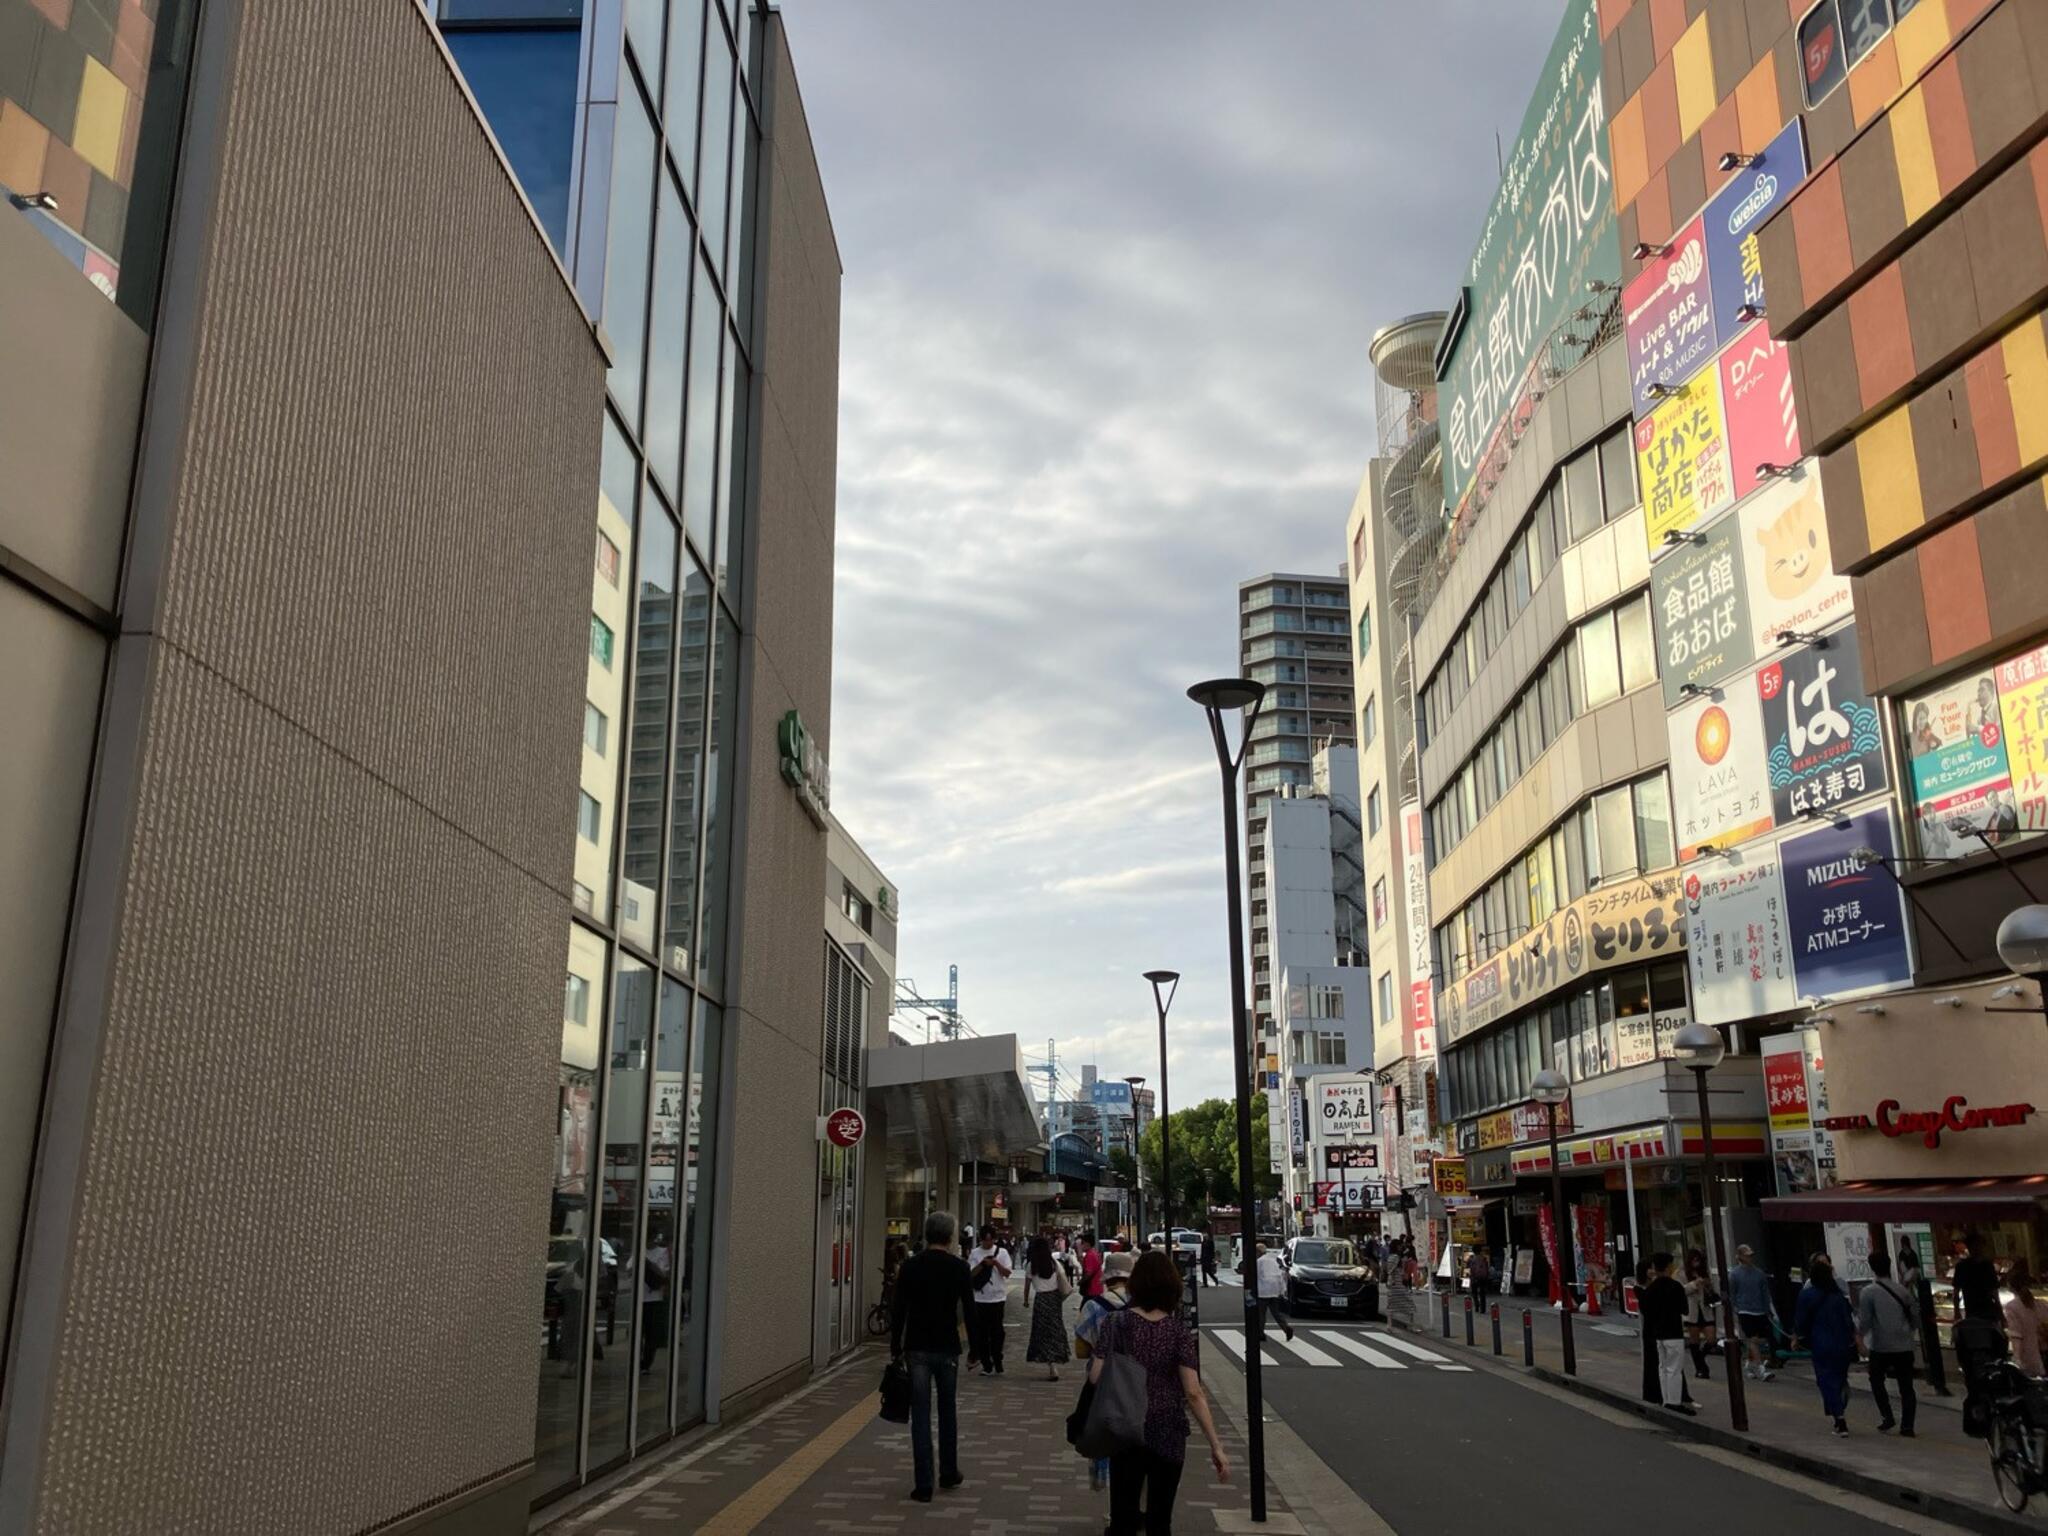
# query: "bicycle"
879, 1313
2019, 1433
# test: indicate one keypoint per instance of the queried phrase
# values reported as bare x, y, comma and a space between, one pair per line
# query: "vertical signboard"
1682, 459
1820, 728
1737, 212
1955, 740
1756, 398
1848, 920
1792, 1158
1700, 605
1415, 888
1736, 945
1668, 318
2023, 710
1548, 238
1720, 786
1788, 566
1344, 1106
1276, 1131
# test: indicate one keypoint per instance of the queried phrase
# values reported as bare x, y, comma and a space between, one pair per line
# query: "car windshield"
1323, 1253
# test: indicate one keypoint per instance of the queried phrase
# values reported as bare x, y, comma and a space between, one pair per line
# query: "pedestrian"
1664, 1304
1750, 1289
1091, 1267
934, 1297
1824, 1320
1114, 1296
1700, 1302
1046, 1289
1151, 1332
1271, 1279
2026, 1321
1914, 1278
1888, 1318
1208, 1255
1479, 1270
989, 1265
1976, 1282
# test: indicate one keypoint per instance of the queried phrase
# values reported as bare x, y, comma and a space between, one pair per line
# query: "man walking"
1888, 1316
989, 1265
1664, 1308
933, 1298
1208, 1255
1091, 1268
1914, 1279
1271, 1279
1750, 1289
1479, 1270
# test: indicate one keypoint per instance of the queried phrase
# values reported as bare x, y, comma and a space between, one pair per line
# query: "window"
1638, 643
595, 726
1372, 811
607, 559
1822, 64
1330, 1048
586, 816
859, 908
601, 640
576, 1000
1326, 1002
1653, 822
524, 79
1369, 723
1518, 580
1601, 661
1582, 495
668, 331
1379, 904
1386, 988
1364, 634
1614, 816
1618, 472
628, 247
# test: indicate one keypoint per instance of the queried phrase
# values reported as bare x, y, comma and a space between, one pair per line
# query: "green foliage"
1203, 1146
1123, 1166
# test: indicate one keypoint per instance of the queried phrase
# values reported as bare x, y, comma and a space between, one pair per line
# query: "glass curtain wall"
629, 1267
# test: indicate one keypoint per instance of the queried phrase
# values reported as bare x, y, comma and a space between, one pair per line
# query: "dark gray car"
1326, 1274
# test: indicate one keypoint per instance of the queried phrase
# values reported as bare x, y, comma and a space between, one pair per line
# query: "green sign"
804, 767
1549, 238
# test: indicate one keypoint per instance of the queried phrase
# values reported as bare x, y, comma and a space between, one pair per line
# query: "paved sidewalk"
1941, 1471
826, 1463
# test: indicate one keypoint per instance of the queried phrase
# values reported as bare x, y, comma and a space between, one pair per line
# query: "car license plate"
1340, 1301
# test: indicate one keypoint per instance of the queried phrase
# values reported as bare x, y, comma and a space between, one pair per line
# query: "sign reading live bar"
1636, 920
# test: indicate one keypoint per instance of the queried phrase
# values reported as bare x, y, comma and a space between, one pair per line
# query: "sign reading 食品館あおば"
1847, 918
1700, 605
1820, 728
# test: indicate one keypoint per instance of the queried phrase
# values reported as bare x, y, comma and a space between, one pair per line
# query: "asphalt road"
1435, 1449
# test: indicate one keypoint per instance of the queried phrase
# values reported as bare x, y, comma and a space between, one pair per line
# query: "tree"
1123, 1167
1205, 1156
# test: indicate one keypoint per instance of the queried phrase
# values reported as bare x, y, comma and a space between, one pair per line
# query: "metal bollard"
1528, 1337
1447, 1315
1571, 1354
1468, 1322
1495, 1309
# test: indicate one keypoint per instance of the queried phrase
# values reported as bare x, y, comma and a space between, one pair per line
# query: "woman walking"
1046, 1288
1825, 1322
1151, 1332
2026, 1320
1095, 1310
1700, 1302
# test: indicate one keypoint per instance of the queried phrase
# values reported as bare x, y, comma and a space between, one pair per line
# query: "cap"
1118, 1266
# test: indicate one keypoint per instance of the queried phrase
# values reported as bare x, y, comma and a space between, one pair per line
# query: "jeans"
929, 1368
1897, 1366
1131, 1475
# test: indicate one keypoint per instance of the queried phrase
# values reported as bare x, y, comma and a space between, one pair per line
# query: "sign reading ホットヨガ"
1720, 787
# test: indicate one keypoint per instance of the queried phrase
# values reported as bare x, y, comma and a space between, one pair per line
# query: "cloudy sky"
1111, 272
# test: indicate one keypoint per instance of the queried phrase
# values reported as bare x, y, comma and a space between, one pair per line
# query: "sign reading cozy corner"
805, 768
1928, 1124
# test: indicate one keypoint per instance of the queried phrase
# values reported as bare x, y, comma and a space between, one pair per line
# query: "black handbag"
896, 1392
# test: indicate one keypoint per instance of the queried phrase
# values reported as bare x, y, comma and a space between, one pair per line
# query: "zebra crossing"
1313, 1346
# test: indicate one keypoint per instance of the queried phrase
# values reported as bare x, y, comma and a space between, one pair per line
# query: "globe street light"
2023, 946
1137, 1173
1216, 696
1550, 1089
1699, 1049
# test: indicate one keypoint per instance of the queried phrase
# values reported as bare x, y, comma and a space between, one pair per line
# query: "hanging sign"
1701, 608
1668, 318
1720, 786
1848, 921
1682, 459
1820, 728
1787, 562
1736, 944
1735, 215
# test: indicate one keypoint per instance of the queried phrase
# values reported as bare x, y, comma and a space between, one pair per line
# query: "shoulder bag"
1113, 1413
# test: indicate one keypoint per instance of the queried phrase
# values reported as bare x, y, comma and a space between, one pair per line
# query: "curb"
1975, 1517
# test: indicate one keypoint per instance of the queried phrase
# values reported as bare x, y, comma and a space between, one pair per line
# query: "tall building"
413, 854
1291, 637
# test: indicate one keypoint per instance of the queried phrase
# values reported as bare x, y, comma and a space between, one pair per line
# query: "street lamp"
1217, 696
2023, 946
1550, 1089
1699, 1049
1163, 1001
1138, 1173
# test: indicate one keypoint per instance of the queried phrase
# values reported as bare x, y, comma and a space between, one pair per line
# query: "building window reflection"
615, 1359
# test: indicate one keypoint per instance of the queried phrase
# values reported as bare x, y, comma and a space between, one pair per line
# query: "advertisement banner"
1788, 566
1635, 1039
1738, 211
1525, 1122
1720, 784
1590, 1223
1701, 611
1447, 1177
1344, 1105
1297, 1135
1548, 238
1756, 395
1817, 1106
2023, 709
1415, 887
1738, 953
1682, 459
1468, 1226
1546, 1225
1955, 739
1848, 922
1336, 1159
1820, 728
1792, 1156
1276, 1130
1668, 318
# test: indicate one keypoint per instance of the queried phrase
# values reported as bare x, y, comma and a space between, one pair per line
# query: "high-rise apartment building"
1291, 637
417, 508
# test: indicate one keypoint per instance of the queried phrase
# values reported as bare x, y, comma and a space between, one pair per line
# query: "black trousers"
988, 1317
1276, 1313
1141, 1476
1894, 1366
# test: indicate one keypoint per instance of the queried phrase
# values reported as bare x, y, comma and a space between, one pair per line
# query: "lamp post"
1699, 1048
1162, 1001
1550, 1089
1137, 1171
2023, 946
1216, 696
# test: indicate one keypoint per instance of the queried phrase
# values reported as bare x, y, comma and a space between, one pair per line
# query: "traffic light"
1297, 1202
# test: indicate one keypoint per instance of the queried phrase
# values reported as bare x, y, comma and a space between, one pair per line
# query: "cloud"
1111, 274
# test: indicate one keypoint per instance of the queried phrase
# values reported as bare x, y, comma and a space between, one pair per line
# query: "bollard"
1447, 1314
1528, 1337
1571, 1355
1495, 1309
1468, 1322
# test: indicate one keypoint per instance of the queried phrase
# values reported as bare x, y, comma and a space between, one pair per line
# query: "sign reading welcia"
804, 767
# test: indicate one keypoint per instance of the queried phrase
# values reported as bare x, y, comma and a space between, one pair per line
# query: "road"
1433, 1445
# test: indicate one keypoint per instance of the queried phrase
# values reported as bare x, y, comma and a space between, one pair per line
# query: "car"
1186, 1241
1326, 1274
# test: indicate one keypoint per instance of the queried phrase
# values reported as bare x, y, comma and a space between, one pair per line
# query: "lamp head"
1865, 857
1699, 1046
1221, 693
1549, 1087
1162, 978
2023, 941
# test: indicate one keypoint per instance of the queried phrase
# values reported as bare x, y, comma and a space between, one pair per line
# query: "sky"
1111, 271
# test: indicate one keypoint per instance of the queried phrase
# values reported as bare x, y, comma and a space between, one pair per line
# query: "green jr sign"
804, 767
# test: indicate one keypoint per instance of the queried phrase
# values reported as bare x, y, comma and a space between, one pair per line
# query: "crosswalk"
1312, 1346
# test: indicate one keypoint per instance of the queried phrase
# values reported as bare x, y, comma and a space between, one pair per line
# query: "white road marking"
1364, 1352
1233, 1344
1307, 1352
1416, 1350
1454, 1367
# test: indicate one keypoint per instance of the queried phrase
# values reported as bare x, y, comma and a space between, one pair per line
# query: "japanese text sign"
1682, 459
1736, 945
1447, 1174
1848, 922
2023, 709
1955, 738
1735, 215
1785, 1083
1668, 317
1720, 786
1344, 1106
1756, 398
1701, 609
1820, 728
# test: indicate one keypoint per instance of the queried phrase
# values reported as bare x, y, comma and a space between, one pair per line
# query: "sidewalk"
1940, 1472
825, 1462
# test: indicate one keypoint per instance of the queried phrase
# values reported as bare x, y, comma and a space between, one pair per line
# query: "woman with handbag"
1046, 1289
1095, 1310
1150, 1333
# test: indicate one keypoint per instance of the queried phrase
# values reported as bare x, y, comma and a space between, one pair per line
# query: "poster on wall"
1682, 459
1720, 785
1849, 1246
1789, 568
1700, 607
1821, 738
1817, 1106
1848, 921
1737, 950
1955, 740
1792, 1158
1668, 318
1756, 395
2023, 711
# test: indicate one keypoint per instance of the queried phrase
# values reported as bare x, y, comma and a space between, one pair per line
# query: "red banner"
1756, 393
1547, 1220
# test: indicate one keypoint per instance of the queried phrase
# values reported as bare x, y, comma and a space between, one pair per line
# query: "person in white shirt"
989, 1267
1272, 1283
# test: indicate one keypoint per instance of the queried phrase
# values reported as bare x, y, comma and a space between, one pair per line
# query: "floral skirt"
1048, 1344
